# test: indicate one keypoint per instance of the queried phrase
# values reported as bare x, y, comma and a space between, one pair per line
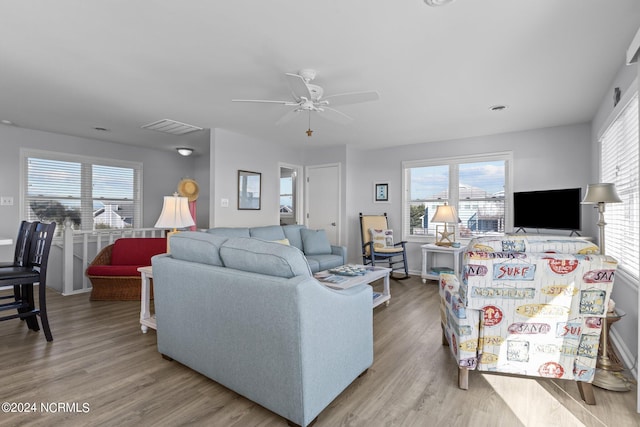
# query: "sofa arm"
460, 325
341, 251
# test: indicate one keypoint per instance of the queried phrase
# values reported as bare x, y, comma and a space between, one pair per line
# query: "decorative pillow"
381, 238
282, 242
315, 242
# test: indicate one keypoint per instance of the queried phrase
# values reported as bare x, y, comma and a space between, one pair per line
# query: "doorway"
290, 194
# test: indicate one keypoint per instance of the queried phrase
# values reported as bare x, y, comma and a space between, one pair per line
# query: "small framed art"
381, 192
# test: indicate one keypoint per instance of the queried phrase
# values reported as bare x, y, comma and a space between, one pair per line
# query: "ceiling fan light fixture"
436, 3
184, 151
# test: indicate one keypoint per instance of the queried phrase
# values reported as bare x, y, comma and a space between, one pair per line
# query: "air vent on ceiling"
171, 126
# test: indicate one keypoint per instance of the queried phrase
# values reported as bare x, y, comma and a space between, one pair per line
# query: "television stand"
576, 233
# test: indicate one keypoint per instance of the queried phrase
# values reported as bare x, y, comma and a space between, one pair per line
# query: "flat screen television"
550, 209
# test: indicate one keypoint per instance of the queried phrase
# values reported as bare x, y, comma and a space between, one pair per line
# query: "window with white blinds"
93, 193
619, 165
477, 186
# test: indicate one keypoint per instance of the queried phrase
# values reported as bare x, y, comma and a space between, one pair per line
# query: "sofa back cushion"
196, 246
230, 231
260, 256
269, 232
535, 244
293, 234
137, 251
315, 242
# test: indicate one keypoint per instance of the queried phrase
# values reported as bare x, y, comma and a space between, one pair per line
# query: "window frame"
628, 95
86, 180
453, 190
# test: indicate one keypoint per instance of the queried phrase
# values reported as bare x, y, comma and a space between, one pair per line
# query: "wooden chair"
22, 245
394, 255
20, 255
25, 276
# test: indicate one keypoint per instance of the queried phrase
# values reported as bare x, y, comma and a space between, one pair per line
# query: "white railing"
80, 247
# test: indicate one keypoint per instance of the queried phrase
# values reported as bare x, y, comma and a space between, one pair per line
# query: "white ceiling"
69, 66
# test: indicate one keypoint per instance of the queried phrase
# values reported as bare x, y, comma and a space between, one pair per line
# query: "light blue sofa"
320, 254
248, 314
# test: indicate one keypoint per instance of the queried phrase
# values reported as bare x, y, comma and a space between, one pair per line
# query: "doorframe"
339, 196
300, 179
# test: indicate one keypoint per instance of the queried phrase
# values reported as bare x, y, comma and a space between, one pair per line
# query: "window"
93, 193
619, 165
475, 185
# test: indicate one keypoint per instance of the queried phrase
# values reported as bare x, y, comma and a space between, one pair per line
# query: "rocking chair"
382, 250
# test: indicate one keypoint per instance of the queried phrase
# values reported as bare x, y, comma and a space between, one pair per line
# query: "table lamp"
446, 214
600, 194
175, 214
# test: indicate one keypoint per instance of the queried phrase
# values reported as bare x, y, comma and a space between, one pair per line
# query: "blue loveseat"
320, 254
248, 314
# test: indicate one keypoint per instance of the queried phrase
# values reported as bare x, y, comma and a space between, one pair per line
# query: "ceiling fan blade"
352, 98
298, 86
288, 117
335, 115
263, 101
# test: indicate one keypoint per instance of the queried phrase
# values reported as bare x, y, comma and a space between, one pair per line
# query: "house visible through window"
93, 193
619, 165
475, 186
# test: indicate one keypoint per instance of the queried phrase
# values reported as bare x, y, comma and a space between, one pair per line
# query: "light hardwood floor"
100, 357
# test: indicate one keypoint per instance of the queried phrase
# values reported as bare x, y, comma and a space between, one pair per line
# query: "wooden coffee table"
372, 274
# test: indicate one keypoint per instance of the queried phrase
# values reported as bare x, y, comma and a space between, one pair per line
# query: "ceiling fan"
309, 97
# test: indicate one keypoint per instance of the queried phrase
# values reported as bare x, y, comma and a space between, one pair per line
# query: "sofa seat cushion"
325, 262
115, 270
137, 250
269, 232
195, 246
315, 242
260, 256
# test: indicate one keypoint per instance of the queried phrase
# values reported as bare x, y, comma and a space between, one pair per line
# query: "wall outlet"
224, 203
6, 201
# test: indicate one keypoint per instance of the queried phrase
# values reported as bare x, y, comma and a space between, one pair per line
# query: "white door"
323, 200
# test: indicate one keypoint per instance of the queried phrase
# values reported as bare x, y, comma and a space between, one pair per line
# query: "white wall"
624, 333
231, 152
550, 158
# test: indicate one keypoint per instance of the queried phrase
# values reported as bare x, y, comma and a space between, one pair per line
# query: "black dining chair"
33, 270
22, 245
20, 255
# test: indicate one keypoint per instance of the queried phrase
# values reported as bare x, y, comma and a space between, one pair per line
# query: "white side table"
147, 320
428, 252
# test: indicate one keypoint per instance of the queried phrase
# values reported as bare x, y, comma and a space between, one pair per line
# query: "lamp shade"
601, 193
175, 213
445, 213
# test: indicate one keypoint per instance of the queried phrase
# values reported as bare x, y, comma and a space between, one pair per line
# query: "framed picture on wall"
249, 190
381, 192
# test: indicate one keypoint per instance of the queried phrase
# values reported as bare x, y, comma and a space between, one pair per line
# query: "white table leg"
387, 289
145, 311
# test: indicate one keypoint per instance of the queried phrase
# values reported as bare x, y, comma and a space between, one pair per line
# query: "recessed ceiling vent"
171, 126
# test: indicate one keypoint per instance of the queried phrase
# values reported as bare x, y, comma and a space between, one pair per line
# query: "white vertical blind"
619, 165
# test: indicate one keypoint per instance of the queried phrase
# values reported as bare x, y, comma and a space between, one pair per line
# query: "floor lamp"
602, 194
